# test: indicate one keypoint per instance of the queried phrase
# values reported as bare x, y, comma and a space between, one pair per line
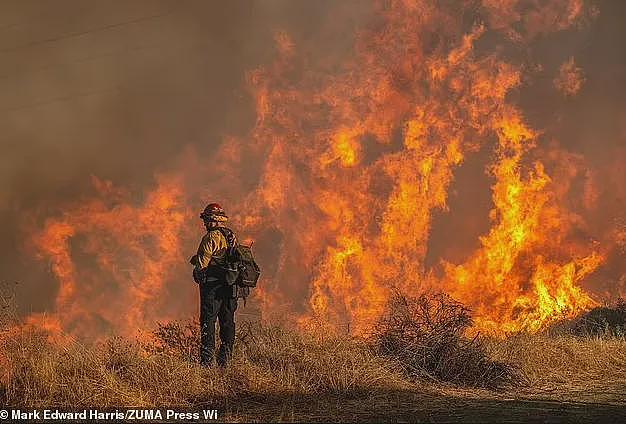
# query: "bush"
176, 338
426, 335
604, 321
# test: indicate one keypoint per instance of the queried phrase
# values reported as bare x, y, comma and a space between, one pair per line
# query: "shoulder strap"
231, 240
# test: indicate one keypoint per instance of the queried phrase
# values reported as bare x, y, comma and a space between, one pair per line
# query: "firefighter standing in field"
217, 299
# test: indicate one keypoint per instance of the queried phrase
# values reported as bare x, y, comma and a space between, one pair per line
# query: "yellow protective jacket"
212, 251
212, 246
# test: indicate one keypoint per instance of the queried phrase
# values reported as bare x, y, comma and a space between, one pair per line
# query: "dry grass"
284, 375
272, 361
567, 366
113, 373
269, 361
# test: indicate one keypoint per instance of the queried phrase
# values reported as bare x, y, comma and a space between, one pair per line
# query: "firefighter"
217, 298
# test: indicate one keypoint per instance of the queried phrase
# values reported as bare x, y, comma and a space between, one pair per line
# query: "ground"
405, 406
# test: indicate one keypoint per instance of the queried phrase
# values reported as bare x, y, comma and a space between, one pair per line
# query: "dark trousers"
216, 302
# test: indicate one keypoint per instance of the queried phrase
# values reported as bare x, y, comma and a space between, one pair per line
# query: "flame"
509, 281
353, 165
570, 79
133, 250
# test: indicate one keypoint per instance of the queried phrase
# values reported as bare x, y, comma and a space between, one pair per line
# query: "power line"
82, 33
71, 96
60, 99
191, 46
86, 59
37, 15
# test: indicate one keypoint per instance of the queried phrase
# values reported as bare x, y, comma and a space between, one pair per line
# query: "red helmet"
213, 212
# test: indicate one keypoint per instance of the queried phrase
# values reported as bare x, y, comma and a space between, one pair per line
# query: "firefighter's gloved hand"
198, 275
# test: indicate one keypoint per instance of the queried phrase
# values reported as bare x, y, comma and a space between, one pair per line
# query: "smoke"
137, 93
117, 90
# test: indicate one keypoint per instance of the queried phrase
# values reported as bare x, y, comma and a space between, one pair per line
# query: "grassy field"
412, 368
281, 375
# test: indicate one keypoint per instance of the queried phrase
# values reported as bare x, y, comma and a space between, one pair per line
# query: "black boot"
207, 350
224, 355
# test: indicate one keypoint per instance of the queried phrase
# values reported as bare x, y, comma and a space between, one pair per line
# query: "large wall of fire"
424, 152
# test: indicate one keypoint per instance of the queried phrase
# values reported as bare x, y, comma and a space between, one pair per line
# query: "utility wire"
60, 99
85, 59
82, 33
69, 97
88, 59
36, 15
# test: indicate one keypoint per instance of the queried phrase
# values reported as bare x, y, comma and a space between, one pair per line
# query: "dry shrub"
603, 321
176, 338
426, 335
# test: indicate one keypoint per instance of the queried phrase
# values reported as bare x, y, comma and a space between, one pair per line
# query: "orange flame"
133, 248
354, 164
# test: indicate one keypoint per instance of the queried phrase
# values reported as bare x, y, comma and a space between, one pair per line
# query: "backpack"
240, 268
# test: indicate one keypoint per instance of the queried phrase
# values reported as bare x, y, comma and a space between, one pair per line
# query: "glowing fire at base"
355, 163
